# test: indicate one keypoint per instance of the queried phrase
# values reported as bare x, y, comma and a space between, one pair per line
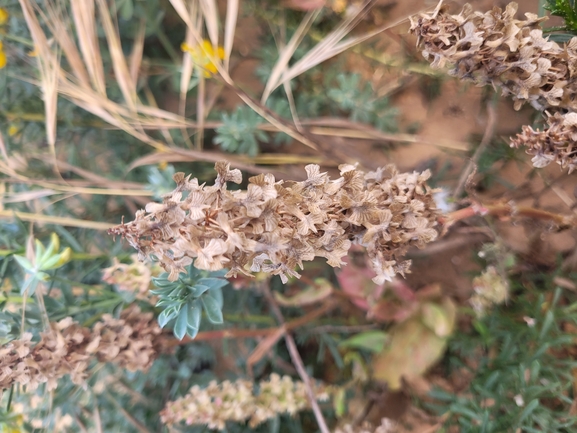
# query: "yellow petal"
3, 16
2, 59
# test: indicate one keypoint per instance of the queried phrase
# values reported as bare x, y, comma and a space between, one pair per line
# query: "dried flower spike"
132, 342
510, 54
275, 226
558, 143
240, 401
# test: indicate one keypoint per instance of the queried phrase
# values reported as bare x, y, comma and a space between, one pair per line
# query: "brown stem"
298, 363
254, 333
507, 210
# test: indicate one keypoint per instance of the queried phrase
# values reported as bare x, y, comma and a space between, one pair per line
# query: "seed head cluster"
134, 277
275, 226
557, 143
240, 401
133, 342
491, 288
512, 55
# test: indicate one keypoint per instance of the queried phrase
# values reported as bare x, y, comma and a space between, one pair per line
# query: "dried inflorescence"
557, 143
510, 54
240, 401
131, 342
491, 288
275, 226
135, 277
495, 48
387, 426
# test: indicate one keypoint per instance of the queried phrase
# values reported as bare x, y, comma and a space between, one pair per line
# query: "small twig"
298, 363
487, 137
254, 333
507, 210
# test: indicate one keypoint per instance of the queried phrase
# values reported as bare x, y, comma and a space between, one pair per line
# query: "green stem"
77, 310
167, 45
19, 39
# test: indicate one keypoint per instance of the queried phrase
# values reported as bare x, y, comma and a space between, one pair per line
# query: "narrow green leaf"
373, 341
194, 315
217, 295
197, 290
24, 263
181, 324
213, 283
549, 319
213, 310
531, 406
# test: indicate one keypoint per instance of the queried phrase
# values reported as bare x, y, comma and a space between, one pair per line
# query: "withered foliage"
275, 226
512, 55
239, 401
133, 342
557, 143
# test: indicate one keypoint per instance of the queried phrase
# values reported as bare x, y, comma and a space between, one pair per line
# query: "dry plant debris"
496, 48
275, 226
240, 401
133, 342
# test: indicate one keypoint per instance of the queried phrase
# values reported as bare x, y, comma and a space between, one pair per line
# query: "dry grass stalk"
84, 82
275, 226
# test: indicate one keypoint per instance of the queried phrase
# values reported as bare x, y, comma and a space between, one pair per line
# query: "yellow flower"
13, 130
2, 57
3, 16
204, 55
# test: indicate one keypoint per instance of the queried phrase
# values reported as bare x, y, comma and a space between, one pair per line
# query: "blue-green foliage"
359, 100
184, 299
160, 181
239, 132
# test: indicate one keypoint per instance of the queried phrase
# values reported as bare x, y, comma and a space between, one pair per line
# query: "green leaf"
213, 283
194, 314
24, 263
181, 324
166, 316
531, 406
239, 132
373, 341
197, 290
216, 293
127, 10
162, 281
40, 250
213, 310
566, 10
